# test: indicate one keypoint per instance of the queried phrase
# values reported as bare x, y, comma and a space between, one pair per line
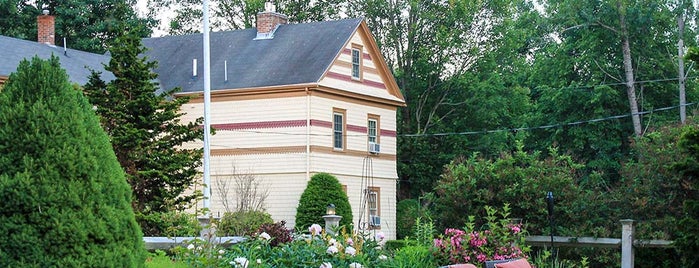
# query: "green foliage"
323, 189
394, 245
424, 231
520, 179
145, 130
65, 200
86, 24
545, 258
159, 259
407, 211
169, 224
242, 223
241, 14
414, 256
687, 241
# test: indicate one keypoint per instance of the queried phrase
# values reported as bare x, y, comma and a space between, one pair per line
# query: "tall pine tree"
65, 202
145, 129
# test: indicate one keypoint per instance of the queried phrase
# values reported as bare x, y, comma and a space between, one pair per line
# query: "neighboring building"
76, 63
290, 101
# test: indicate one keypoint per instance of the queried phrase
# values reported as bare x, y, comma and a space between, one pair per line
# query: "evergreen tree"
145, 130
323, 189
65, 202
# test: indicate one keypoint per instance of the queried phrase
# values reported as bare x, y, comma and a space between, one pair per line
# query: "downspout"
308, 134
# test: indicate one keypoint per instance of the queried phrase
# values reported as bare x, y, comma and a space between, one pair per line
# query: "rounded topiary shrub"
242, 223
65, 200
323, 189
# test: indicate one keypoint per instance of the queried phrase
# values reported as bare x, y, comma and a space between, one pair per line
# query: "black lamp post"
549, 202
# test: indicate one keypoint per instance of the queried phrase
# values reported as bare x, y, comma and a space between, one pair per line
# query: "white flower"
221, 251
190, 247
332, 242
240, 262
380, 236
259, 261
315, 229
355, 265
265, 235
332, 250
350, 242
383, 257
350, 251
326, 265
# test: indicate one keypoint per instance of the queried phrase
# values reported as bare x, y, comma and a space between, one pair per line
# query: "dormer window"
357, 62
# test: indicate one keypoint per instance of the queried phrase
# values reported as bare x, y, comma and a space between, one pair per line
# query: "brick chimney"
45, 28
268, 21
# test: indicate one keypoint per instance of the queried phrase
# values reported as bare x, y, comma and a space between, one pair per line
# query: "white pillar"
627, 243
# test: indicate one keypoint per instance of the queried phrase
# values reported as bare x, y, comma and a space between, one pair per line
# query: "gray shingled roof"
76, 63
298, 53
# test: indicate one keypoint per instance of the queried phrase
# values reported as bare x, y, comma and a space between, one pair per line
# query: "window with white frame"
374, 206
338, 129
372, 125
356, 63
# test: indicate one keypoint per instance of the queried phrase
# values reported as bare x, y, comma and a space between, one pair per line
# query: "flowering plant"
500, 239
313, 249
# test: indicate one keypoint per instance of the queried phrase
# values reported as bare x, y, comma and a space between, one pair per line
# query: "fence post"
627, 243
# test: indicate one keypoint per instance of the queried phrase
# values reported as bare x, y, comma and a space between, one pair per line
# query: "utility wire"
544, 126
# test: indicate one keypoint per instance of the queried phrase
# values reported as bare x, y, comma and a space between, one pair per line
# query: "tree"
241, 14
87, 25
323, 189
65, 200
688, 168
145, 130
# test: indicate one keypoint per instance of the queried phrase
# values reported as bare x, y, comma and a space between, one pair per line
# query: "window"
338, 129
374, 206
371, 130
356, 63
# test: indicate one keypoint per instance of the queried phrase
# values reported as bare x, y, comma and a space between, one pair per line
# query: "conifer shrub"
65, 200
323, 189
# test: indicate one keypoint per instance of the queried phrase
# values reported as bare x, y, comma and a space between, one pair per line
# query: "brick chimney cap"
45, 12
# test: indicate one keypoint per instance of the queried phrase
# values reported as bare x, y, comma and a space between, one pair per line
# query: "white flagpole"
207, 108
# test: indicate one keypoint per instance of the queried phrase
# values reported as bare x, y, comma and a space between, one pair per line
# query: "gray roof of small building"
298, 54
76, 63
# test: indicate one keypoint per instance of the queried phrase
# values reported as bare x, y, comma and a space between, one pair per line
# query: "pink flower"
380, 236
315, 229
350, 242
516, 229
481, 257
438, 243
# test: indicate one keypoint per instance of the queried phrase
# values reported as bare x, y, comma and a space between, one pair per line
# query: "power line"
544, 126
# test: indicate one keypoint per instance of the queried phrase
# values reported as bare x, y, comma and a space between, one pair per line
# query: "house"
78, 64
289, 101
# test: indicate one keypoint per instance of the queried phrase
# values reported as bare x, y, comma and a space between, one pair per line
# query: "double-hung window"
357, 62
338, 129
374, 206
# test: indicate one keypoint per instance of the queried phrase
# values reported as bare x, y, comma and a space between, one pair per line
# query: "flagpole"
207, 108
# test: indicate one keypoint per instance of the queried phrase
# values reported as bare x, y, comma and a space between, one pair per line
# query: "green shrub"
242, 223
65, 200
169, 224
414, 256
393, 245
323, 189
406, 212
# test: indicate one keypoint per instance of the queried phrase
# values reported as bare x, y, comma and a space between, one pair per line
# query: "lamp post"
331, 220
549, 202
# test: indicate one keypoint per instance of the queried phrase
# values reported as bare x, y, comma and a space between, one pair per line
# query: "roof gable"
76, 63
298, 54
